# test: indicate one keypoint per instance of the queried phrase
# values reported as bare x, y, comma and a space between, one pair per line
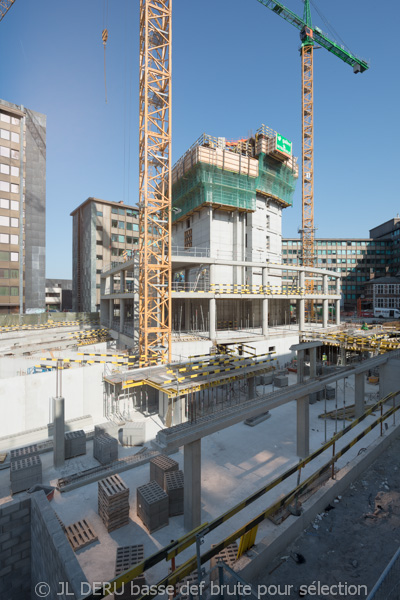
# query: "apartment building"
22, 208
58, 294
104, 232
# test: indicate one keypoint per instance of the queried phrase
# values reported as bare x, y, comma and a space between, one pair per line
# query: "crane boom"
5, 6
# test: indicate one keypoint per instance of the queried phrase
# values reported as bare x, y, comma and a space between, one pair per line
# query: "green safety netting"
275, 179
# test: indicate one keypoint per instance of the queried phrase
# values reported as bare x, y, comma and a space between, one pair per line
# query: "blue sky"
235, 65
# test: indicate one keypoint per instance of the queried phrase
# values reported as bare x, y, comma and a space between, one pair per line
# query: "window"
14, 188
5, 169
187, 223
121, 239
4, 134
15, 171
15, 154
14, 291
13, 239
5, 221
268, 221
4, 186
14, 256
99, 257
135, 227
98, 271
4, 238
14, 273
14, 121
129, 226
14, 205
5, 118
4, 291
99, 213
114, 210
121, 211
15, 137
99, 228
128, 239
99, 243
14, 222
4, 152
4, 255
114, 223
268, 243
121, 225
4, 273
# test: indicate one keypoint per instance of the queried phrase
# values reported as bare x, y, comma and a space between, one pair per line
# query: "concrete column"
110, 313
212, 317
122, 281
303, 427
264, 321
325, 306
359, 394
337, 302
300, 366
58, 432
103, 312
192, 486
121, 314
251, 383
301, 304
313, 362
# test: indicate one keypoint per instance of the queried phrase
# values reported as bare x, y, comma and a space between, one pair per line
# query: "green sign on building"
283, 145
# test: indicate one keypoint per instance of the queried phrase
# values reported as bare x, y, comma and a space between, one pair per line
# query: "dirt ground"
349, 544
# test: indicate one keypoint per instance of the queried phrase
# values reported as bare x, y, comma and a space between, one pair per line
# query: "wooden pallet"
80, 534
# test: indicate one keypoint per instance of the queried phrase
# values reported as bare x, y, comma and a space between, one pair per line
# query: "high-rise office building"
22, 208
103, 232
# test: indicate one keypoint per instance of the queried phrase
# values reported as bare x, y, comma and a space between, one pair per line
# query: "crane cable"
104, 37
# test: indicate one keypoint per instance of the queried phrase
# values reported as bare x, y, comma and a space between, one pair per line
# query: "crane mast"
5, 6
155, 182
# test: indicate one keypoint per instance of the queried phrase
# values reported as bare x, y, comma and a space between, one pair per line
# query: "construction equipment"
155, 181
310, 35
5, 6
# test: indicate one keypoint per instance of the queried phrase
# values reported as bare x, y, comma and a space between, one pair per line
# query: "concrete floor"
235, 462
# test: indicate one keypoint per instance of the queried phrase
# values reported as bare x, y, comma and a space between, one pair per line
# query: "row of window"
121, 239
7, 204
9, 256
120, 211
5, 134
388, 288
9, 153
9, 291
9, 221
388, 302
121, 225
8, 119
9, 170
9, 273
6, 238
335, 243
6, 186
119, 251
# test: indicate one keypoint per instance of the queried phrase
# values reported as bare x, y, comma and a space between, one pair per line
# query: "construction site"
215, 430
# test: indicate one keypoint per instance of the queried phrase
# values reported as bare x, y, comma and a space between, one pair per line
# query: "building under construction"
228, 198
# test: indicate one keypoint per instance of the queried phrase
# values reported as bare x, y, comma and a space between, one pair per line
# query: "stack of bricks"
75, 443
174, 487
15, 549
24, 452
105, 448
152, 506
159, 466
113, 502
127, 557
228, 555
25, 473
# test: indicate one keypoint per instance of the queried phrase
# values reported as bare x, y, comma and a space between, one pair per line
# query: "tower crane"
5, 6
310, 35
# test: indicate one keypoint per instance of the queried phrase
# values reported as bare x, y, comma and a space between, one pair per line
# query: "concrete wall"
15, 549
35, 210
53, 560
29, 396
389, 377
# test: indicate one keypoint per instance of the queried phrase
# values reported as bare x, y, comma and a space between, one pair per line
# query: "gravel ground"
349, 544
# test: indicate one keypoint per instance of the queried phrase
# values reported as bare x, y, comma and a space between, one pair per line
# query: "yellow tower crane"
5, 6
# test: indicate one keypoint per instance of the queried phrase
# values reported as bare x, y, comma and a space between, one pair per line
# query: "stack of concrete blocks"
330, 392
159, 466
25, 473
105, 448
113, 502
316, 396
134, 434
18, 453
152, 506
75, 443
266, 379
127, 557
281, 381
174, 487
15, 549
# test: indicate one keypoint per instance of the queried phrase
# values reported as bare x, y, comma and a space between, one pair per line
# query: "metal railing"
388, 585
